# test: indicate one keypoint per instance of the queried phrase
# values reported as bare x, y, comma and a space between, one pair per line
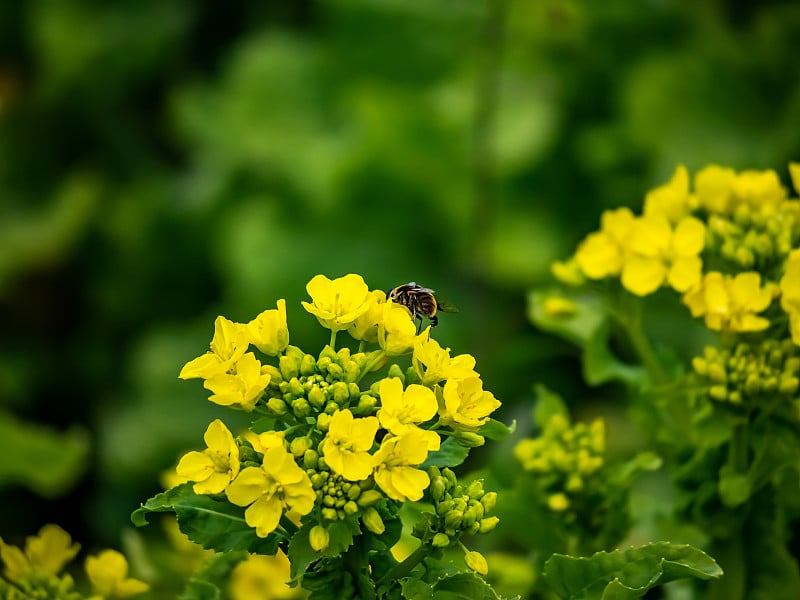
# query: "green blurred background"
166, 161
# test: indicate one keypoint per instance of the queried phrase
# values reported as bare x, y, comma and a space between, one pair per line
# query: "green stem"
632, 323
404, 568
368, 367
737, 453
333, 339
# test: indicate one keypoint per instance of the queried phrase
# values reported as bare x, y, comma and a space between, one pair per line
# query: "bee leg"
434, 321
419, 326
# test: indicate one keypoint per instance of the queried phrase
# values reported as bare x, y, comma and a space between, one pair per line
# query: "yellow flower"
338, 303
602, 253
396, 463
396, 330
279, 483
658, 254
365, 327
401, 410
759, 189
268, 331
229, 343
46, 553
347, 444
672, 199
731, 303
262, 442
465, 404
240, 389
108, 572
714, 188
790, 294
215, 467
260, 577
433, 363
794, 173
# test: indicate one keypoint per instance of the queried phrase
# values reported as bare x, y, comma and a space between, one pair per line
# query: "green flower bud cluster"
39, 586
752, 239
749, 373
566, 459
339, 498
458, 509
303, 385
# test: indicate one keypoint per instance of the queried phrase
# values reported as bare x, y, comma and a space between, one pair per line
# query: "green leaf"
450, 454
212, 524
588, 327
302, 555
208, 582
624, 574
44, 460
463, 586
414, 589
548, 404
497, 430
630, 470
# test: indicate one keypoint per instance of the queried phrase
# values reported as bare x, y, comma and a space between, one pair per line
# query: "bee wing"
446, 306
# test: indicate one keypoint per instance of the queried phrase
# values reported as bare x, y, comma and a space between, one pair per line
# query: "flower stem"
631, 320
404, 568
333, 339
368, 367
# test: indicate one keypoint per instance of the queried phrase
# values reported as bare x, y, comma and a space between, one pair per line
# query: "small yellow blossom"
396, 330
347, 444
46, 553
601, 254
433, 363
790, 294
671, 200
215, 467
465, 404
269, 332
279, 483
261, 442
560, 307
402, 410
260, 577
714, 189
108, 573
761, 190
229, 343
658, 254
794, 173
731, 303
240, 389
558, 502
568, 272
366, 326
396, 471
339, 302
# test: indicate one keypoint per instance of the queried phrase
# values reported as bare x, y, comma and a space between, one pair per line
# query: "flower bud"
450, 476
301, 408
489, 500
475, 489
396, 371
437, 488
476, 562
469, 439
289, 363
323, 363
468, 519
323, 422
353, 391
369, 498
329, 514
328, 353
372, 521
352, 372
316, 397
274, 373
335, 372
353, 491
298, 446
276, 406
445, 507
488, 524
440, 540
308, 365
296, 388
366, 404
340, 393
319, 538
350, 508
453, 519
412, 376
558, 502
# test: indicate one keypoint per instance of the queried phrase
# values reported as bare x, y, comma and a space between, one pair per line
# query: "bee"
421, 301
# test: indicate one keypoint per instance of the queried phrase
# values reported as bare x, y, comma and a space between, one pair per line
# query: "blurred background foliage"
163, 162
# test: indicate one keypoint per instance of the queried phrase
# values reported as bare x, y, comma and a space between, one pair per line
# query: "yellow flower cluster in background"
564, 459
728, 242
36, 570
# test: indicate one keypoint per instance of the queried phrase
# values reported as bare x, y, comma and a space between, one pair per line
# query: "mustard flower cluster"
566, 462
325, 446
750, 375
36, 571
729, 244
